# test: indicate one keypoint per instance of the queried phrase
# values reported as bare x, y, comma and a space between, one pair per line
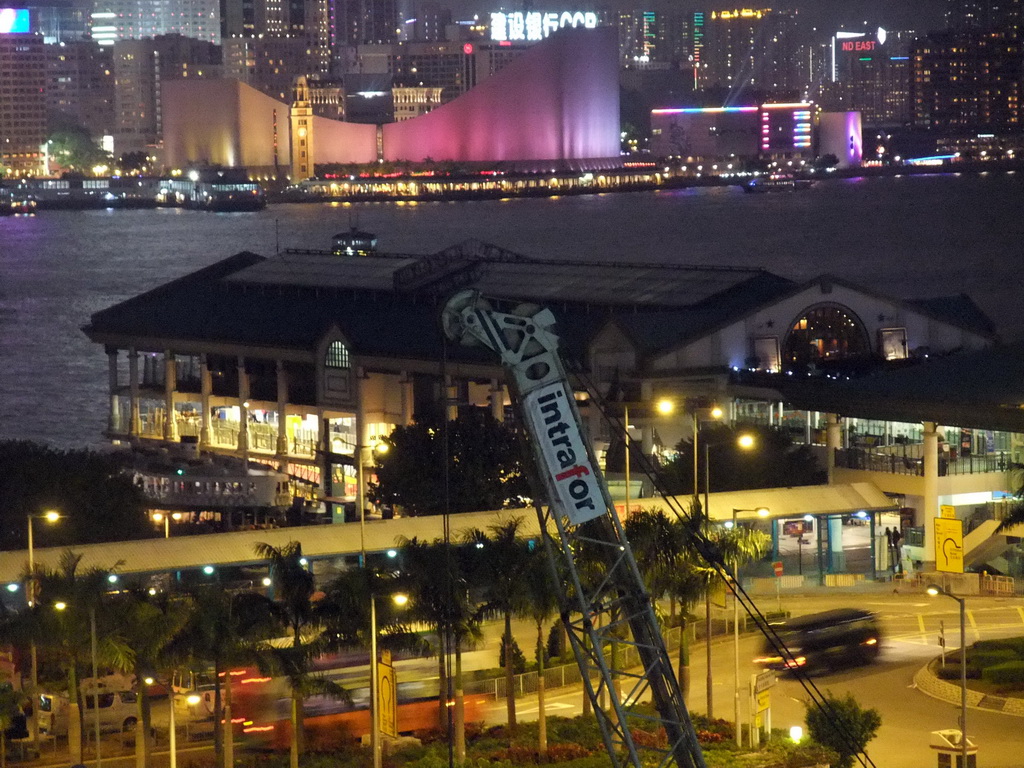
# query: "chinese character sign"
533, 26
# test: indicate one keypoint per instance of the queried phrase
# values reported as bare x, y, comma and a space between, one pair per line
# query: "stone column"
408, 398
206, 390
931, 491
114, 417
836, 557
497, 400
133, 393
282, 410
243, 409
170, 385
833, 441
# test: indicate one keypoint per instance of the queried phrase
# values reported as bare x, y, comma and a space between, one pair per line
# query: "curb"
931, 685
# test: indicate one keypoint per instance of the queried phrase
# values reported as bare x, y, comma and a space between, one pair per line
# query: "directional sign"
947, 511
949, 545
387, 693
764, 701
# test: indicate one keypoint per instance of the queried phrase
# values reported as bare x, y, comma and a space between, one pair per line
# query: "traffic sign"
777, 565
949, 545
947, 511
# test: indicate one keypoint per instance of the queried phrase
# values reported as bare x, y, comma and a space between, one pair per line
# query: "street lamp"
934, 590
746, 442
50, 516
761, 512
166, 520
665, 407
400, 600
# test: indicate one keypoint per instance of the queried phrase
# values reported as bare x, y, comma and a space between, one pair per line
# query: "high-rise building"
1004, 15
270, 64
141, 67
870, 73
114, 20
969, 80
428, 24
57, 20
653, 37
753, 49
22, 101
80, 84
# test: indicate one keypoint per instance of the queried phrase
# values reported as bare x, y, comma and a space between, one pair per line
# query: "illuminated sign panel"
533, 26
858, 45
13, 21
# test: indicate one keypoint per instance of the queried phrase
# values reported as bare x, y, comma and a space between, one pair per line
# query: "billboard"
534, 26
13, 21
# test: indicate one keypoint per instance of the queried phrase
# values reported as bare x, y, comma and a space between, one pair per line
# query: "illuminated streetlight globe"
52, 516
716, 412
746, 442
400, 599
60, 605
666, 406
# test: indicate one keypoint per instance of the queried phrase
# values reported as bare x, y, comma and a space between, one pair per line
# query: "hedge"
1007, 673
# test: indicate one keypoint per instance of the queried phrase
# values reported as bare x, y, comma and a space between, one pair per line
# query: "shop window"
892, 343
766, 354
825, 333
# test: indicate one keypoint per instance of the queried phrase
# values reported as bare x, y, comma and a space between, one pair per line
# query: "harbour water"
907, 237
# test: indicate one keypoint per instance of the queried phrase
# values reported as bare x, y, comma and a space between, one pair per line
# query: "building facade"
22, 102
306, 360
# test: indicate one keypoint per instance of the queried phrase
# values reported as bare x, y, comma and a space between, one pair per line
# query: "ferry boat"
15, 200
777, 183
226, 189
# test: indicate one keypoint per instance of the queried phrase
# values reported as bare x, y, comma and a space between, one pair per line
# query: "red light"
506, 42
467, 49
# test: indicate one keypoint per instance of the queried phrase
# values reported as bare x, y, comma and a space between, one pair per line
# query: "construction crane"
580, 509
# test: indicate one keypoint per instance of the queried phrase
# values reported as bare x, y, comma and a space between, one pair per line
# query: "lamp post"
166, 520
50, 516
934, 590
761, 512
375, 742
96, 687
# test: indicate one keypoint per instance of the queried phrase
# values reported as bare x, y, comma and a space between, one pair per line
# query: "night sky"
918, 15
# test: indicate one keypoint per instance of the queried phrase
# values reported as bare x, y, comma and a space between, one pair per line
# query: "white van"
118, 711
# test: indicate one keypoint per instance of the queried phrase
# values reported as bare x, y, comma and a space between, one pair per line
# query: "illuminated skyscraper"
968, 80
114, 20
869, 72
1004, 15
22, 101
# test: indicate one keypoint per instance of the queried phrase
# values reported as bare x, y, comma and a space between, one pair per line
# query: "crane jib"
571, 476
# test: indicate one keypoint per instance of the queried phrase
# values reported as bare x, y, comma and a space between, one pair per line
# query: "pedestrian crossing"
925, 627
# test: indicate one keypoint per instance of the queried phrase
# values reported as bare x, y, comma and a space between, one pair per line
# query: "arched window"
337, 355
826, 332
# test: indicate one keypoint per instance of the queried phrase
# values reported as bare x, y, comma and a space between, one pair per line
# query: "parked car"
118, 711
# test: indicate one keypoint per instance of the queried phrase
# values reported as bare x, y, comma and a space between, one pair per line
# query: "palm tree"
59, 622
224, 630
304, 621
440, 597
11, 703
505, 559
541, 603
145, 635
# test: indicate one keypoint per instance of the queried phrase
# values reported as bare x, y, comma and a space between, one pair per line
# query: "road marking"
548, 708
1020, 610
974, 626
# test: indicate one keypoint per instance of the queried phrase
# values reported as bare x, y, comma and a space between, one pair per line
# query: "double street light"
50, 516
762, 512
935, 590
400, 600
165, 518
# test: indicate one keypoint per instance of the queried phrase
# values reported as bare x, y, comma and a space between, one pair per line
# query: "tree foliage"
97, 502
774, 461
842, 725
483, 458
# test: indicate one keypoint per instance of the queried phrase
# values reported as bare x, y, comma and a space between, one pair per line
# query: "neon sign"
13, 21
859, 45
535, 25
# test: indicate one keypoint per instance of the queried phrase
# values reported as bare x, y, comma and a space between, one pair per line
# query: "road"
911, 626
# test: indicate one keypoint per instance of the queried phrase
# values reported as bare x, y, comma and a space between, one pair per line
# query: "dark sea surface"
908, 237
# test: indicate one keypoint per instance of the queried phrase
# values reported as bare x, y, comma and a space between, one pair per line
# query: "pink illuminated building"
555, 106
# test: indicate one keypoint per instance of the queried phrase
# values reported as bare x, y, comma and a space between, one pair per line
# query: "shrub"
843, 726
952, 671
1007, 673
990, 658
518, 659
1015, 644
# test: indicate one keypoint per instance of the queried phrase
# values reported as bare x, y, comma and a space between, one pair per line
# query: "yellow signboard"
387, 698
949, 545
764, 700
947, 511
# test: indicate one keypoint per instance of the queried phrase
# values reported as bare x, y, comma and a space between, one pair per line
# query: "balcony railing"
899, 464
